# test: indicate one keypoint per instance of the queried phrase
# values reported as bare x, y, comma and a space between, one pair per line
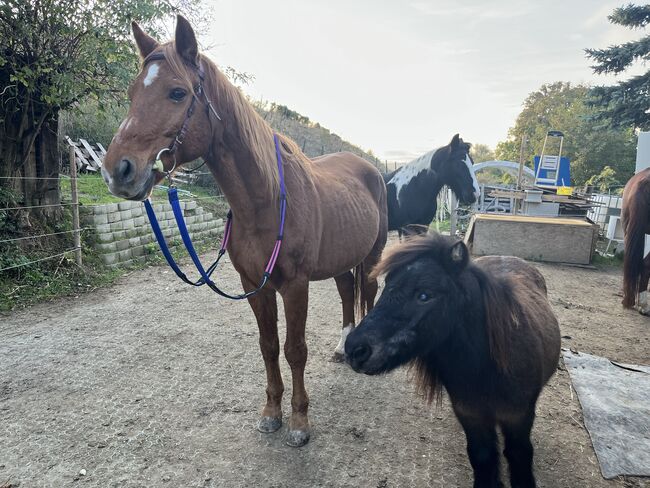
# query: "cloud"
471, 12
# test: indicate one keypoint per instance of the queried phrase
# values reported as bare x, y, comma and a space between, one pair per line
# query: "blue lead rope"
205, 279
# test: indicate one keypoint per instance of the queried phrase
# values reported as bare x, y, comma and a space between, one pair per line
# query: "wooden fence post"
76, 234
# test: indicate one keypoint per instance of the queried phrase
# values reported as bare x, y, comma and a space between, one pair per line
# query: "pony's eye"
177, 94
424, 297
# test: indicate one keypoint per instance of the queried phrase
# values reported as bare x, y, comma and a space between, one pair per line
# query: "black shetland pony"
635, 216
483, 330
413, 188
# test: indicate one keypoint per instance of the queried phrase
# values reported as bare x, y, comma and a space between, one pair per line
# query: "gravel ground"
153, 383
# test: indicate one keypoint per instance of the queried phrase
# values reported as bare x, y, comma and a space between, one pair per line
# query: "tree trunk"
32, 179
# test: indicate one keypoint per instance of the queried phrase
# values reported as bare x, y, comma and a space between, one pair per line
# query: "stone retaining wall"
123, 229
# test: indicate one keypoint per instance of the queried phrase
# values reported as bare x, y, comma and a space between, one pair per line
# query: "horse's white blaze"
340, 348
409, 171
123, 126
477, 188
152, 73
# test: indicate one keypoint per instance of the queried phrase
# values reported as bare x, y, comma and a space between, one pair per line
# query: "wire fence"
69, 240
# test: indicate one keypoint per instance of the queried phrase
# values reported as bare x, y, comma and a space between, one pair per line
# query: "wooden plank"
94, 158
101, 150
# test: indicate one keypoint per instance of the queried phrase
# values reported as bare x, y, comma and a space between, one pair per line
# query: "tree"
605, 180
481, 152
589, 145
55, 53
626, 103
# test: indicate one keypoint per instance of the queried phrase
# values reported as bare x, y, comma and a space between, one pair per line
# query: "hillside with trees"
591, 145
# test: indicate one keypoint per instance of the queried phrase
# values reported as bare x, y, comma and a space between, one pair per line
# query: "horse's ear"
455, 142
185, 41
146, 44
458, 256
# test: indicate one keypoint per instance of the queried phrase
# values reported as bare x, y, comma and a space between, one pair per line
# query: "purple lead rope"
187, 241
283, 210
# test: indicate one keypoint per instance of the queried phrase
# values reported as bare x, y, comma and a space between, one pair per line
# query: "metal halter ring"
158, 164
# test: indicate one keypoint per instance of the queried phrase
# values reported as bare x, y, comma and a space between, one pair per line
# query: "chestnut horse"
336, 213
483, 330
635, 216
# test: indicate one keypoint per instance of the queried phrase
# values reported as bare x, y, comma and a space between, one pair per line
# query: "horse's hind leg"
642, 301
264, 305
482, 450
345, 286
295, 298
519, 450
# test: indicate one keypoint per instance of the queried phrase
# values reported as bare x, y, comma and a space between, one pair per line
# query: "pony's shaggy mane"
502, 305
255, 134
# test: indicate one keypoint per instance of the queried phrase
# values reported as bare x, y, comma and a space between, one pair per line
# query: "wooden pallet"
88, 158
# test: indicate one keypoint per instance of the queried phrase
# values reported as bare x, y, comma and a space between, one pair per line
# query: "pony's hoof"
337, 357
297, 438
267, 425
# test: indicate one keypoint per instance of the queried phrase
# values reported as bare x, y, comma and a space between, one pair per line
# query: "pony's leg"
345, 286
265, 308
295, 298
371, 286
642, 301
519, 450
482, 450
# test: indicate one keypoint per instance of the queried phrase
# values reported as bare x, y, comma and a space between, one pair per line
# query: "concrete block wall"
123, 228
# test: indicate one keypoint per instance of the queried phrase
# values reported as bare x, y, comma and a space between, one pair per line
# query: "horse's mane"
635, 213
502, 310
255, 133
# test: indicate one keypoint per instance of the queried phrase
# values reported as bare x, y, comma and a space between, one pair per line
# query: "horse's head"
418, 308
168, 119
459, 173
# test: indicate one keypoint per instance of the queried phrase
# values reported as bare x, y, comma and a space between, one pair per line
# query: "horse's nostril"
360, 354
125, 170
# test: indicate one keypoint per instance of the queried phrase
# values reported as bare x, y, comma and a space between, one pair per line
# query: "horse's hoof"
643, 310
337, 357
297, 438
267, 425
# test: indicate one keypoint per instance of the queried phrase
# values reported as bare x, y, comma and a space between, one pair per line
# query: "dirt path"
152, 383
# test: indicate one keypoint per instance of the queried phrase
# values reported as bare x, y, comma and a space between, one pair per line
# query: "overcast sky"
401, 77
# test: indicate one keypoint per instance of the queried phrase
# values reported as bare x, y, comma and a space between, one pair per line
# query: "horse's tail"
635, 221
360, 290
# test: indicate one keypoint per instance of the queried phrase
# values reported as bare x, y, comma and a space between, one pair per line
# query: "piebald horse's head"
169, 121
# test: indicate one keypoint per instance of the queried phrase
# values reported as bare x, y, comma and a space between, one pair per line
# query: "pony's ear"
455, 141
146, 44
185, 41
458, 256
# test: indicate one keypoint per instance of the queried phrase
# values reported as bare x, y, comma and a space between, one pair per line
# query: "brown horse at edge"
635, 216
337, 212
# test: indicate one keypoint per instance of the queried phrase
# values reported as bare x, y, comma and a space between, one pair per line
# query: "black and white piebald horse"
413, 188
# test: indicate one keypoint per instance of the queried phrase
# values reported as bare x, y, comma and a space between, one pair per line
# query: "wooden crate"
557, 240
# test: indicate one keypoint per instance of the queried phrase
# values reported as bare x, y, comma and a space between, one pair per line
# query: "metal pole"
453, 213
76, 235
521, 171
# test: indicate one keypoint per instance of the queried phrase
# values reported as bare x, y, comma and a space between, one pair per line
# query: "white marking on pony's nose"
152, 73
477, 188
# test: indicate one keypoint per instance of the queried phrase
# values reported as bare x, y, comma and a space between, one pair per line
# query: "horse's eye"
424, 297
177, 94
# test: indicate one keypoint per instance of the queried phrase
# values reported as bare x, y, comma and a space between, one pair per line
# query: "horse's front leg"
345, 286
295, 298
265, 308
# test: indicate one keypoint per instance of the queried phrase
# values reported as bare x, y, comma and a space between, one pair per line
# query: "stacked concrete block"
123, 229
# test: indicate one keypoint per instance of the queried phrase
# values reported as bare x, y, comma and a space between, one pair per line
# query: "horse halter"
172, 193
182, 131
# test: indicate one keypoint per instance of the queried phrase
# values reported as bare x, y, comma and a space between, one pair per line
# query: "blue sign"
552, 172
